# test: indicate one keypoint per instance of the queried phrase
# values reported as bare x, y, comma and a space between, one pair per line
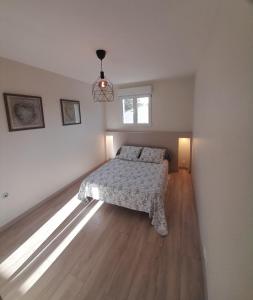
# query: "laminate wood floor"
66, 250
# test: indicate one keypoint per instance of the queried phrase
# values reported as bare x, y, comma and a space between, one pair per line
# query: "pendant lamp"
102, 88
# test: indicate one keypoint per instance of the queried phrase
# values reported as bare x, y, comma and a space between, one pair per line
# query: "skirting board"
15, 220
202, 247
204, 266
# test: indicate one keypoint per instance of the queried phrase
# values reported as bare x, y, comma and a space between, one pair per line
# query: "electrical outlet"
5, 195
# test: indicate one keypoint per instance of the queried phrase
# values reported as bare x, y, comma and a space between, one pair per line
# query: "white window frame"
134, 97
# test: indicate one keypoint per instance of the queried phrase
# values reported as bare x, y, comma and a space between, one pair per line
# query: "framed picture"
70, 111
23, 112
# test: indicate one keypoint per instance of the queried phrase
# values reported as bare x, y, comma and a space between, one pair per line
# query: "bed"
134, 184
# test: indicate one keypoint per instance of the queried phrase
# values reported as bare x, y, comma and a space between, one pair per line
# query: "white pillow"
129, 152
153, 155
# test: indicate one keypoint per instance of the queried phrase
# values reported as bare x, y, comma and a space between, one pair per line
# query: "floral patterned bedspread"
139, 186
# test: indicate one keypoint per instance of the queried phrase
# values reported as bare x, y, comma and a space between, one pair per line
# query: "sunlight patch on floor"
13, 262
35, 257
38, 273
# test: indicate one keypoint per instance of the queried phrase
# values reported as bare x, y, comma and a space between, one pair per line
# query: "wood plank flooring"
66, 250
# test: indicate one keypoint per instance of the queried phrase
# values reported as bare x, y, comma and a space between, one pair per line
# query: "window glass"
128, 110
143, 110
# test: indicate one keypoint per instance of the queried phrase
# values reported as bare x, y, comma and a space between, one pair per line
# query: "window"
136, 105
136, 109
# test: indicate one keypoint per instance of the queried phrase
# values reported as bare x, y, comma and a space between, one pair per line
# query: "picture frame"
70, 112
23, 112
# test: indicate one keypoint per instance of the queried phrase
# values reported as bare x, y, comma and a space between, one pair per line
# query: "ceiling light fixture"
102, 88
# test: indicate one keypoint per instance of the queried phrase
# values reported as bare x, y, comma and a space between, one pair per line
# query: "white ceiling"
145, 39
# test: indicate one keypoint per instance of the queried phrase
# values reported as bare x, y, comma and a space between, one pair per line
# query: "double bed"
134, 184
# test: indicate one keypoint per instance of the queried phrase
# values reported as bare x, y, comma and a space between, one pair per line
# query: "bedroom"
182, 74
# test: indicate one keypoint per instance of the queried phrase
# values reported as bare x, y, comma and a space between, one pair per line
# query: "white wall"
172, 101
36, 163
223, 153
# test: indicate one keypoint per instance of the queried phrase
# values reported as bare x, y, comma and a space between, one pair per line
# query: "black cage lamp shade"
102, 88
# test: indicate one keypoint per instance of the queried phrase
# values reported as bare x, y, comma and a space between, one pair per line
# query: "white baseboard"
204, 266
15, 220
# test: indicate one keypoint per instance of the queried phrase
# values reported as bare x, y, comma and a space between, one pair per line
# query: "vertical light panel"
109, 146
184, 153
